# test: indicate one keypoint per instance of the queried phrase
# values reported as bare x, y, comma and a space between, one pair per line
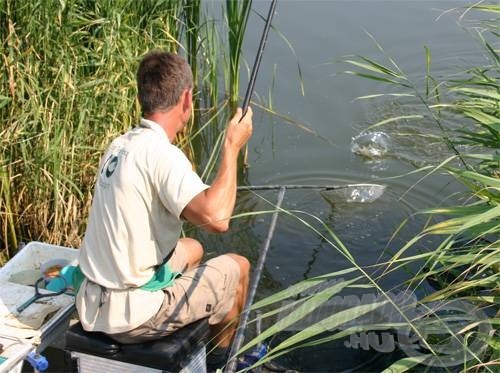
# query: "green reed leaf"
495, 8
491, 93
302, 309
486, 180
375, 77
406, 364
300, 287
329, 323
384, 95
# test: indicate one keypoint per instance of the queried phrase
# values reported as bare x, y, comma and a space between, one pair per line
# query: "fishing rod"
240, 332
258, 58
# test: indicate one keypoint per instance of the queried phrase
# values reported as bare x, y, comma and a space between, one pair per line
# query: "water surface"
322, 33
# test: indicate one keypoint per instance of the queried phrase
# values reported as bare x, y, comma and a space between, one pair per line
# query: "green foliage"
237, 17
66, 65
68, 88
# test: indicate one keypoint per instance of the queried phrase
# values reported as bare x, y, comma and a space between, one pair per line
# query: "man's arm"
212, 208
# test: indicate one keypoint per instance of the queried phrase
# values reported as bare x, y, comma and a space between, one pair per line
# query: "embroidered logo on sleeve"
111, 165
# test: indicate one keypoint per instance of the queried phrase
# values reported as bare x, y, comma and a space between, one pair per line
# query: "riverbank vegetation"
445, 316
68, 87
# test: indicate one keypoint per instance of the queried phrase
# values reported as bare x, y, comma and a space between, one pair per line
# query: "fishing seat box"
183, 351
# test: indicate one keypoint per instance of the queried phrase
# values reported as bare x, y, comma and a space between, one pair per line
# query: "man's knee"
243, 263
193, 248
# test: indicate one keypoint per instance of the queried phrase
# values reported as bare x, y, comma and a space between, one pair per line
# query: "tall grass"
463, 267
68, 87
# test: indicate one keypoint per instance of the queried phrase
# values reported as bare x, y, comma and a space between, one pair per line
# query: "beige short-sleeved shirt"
144, 183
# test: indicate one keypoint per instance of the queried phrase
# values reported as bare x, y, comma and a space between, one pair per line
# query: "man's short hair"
161, 79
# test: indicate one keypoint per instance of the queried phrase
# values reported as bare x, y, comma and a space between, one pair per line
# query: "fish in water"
371, 145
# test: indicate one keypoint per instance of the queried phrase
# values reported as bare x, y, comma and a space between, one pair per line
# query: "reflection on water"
335, 357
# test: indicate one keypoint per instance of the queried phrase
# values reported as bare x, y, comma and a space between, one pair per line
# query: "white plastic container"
33, 255
43, 321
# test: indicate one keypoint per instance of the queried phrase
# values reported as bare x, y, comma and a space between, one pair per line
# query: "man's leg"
216, 290
189, 252
223, 332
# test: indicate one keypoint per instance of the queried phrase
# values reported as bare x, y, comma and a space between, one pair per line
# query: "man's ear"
187, 100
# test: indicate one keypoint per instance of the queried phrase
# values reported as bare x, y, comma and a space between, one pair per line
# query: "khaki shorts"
207, 291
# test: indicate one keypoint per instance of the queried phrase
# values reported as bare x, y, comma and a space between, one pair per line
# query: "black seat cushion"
93, 343
168, 353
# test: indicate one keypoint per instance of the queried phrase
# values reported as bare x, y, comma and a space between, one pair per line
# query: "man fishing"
139, 280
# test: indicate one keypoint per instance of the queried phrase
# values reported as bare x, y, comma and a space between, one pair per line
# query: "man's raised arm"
212, 208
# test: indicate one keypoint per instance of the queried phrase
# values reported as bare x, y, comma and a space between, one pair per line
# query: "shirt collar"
146, 123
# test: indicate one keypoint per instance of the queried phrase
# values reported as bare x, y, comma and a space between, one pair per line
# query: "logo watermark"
441, 334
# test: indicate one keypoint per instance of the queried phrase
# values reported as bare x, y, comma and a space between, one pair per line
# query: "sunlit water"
322, 33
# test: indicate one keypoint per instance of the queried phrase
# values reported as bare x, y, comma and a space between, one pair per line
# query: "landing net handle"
240, 332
